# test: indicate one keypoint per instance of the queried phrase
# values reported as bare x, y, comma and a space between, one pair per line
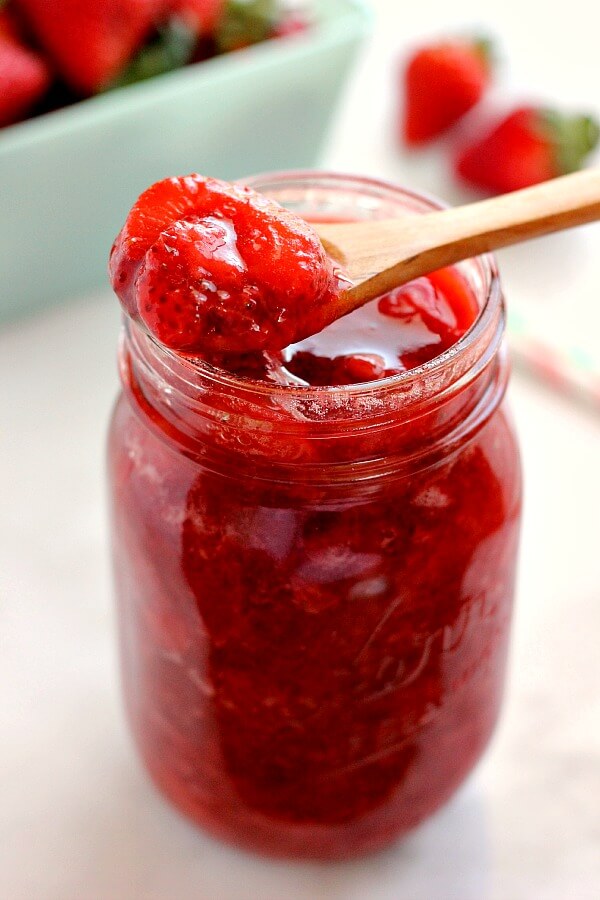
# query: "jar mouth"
469, 354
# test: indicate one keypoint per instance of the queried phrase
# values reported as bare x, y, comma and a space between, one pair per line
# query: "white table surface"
78, 820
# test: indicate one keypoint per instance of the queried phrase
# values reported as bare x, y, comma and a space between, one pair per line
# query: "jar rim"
463, 360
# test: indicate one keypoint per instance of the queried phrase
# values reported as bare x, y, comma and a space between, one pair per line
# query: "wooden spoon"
380, 255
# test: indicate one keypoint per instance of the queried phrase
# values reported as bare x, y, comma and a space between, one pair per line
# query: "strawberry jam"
209, 266
314, 556
399, 331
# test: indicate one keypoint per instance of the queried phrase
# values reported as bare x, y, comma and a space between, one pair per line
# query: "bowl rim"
339, 22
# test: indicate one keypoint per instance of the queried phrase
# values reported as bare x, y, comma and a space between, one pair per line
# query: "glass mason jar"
315, 583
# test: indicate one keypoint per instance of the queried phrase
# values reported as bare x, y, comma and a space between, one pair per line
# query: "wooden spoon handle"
429, 242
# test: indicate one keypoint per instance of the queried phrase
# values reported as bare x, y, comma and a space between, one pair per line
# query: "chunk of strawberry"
24, 75
530, 145
441, 83
348, 368
442, 302
91, 42
210, 267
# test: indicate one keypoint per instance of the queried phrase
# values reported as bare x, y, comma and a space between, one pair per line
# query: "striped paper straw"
571, 369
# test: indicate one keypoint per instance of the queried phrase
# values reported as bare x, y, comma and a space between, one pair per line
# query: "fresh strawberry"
24, 76
441, 83
530, 145
202, 16
91, 41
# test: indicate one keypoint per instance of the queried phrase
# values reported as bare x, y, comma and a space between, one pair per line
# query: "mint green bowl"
67, 179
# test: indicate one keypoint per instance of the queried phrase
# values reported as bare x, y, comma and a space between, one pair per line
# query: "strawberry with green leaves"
530, 145
91, 42
442, 82
24, 75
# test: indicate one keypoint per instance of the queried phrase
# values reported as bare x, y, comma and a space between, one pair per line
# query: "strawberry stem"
487, 50
573, 137
245, 22
172, 48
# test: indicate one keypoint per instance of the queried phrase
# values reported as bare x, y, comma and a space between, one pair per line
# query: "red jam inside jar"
315, 555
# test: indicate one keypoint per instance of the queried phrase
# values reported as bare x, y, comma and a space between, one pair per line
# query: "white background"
78, 820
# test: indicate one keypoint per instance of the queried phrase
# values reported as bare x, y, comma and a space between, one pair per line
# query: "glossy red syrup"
397, 332
315, 591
